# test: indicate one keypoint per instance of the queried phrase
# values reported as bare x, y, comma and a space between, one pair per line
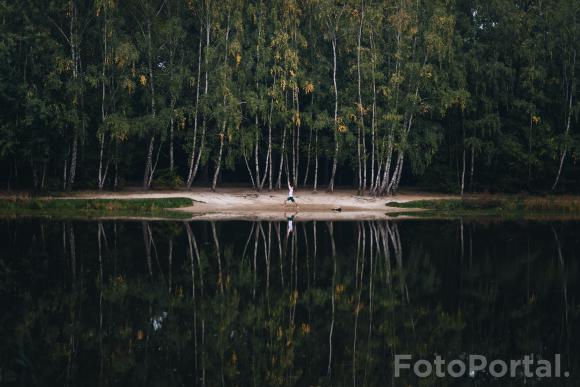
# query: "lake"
140, 303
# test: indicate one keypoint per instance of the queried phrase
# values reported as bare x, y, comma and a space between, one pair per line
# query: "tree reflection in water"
249, 303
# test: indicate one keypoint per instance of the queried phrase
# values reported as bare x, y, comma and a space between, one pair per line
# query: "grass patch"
505, 206
88, 208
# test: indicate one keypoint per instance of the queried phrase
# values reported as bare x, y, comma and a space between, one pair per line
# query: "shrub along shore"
89, 208
494, 205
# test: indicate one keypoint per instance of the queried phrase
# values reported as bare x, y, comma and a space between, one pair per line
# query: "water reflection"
279, 303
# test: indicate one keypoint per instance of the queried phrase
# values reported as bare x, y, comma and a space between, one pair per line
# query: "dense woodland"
455, 95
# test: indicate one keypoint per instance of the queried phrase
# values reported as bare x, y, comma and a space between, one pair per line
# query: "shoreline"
203, 204
224, 204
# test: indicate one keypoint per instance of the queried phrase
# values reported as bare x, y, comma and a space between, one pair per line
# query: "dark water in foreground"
241, 303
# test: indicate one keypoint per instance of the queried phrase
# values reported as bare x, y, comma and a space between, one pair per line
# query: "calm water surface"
87, 303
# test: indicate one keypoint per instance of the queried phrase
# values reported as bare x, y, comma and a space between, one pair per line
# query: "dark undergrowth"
90, 208
504, 206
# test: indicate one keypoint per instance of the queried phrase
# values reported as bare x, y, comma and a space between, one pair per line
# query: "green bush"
167, 179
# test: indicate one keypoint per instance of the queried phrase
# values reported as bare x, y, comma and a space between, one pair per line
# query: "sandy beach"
245, 204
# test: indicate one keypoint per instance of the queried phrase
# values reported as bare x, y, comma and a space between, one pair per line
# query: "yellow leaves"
234, 359
142, 80
296, 119
536, 120
361, 109
339, 289
294, 298
305, 329
340, 125
63, 65
124, 54
283, 84
391, 117
427, 72
397, 78
440, 34
182, 123
400, 20
129, 85
238, 59
309, 87
292, 73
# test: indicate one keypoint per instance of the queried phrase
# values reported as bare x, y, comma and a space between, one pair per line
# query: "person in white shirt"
291, 196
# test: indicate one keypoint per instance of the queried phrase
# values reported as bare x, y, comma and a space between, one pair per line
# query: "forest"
448, 95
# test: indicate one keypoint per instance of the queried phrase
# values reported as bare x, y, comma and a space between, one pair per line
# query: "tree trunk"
222, 135
463, 166
102, 177
250, 173
335, 158
472, 169
73, 161
315, 161
258, 186
75, 59
570, 92
191, 174
149, 164
387, 170
282, 150
361, 153
148, 175
530, 151
298, 126
171, 138
269, 157
309, 144
219, 159
373, 118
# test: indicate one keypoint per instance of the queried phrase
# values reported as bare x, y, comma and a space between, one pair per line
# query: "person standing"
290, 197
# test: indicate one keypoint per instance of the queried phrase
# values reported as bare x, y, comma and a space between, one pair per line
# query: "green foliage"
167, 179
432, 81
495, 205
75, 208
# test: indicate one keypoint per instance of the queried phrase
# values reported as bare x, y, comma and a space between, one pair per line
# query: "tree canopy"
455, 95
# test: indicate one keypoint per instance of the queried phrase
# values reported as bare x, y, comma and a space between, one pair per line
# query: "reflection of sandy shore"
243, 204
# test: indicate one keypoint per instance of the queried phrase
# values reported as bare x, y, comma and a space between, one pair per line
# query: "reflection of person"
290, 196
290, 220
